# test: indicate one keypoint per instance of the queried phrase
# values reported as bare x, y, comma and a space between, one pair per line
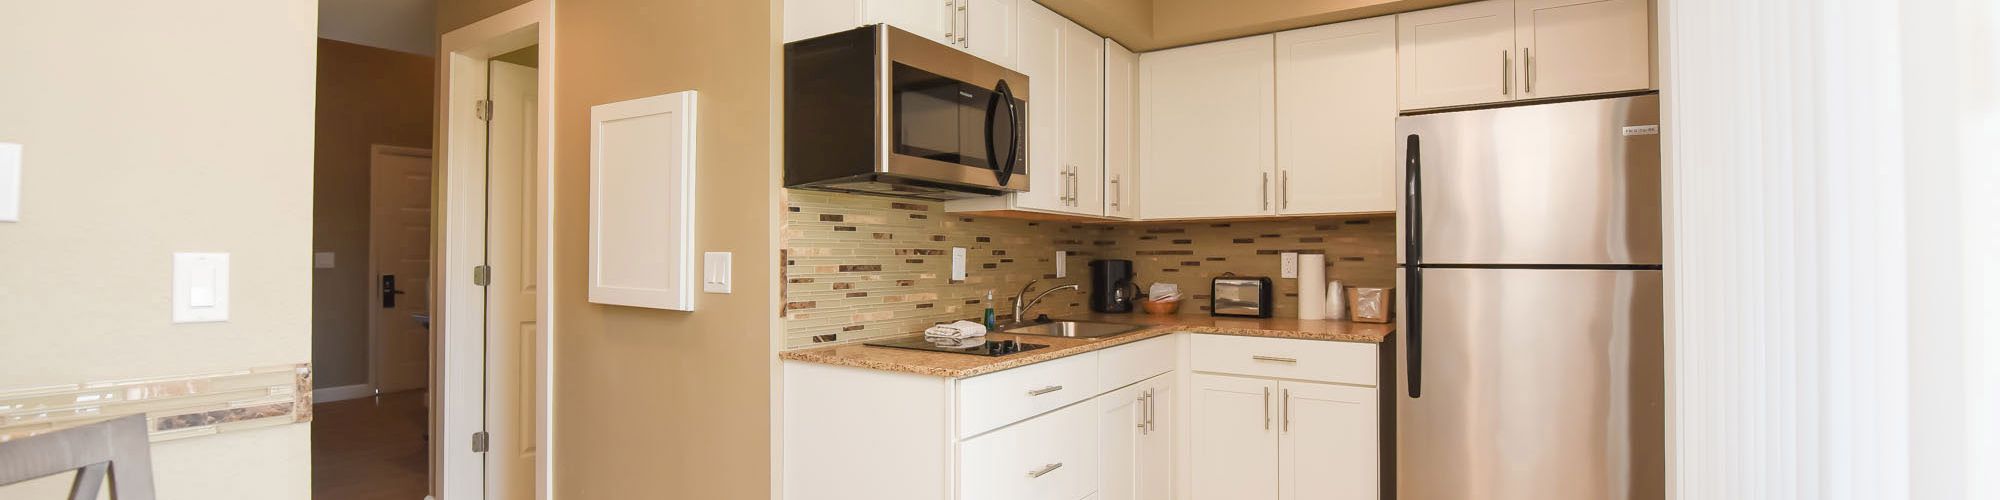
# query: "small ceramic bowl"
1161, 307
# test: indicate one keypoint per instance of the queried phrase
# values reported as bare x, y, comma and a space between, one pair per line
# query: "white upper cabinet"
1457, 55
1083, 118
1205, 130
986, 29
1041, 41
1121, 130
933, 19
1572, 47
1337, 118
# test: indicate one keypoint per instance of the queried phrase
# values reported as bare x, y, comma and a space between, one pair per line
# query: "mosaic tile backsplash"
862, 267
175, 407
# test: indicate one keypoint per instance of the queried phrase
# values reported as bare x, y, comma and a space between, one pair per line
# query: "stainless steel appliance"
1111, 287
1244, 296
878, 110
1530, 344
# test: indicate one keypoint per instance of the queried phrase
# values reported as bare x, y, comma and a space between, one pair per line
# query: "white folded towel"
956, 343
956, 330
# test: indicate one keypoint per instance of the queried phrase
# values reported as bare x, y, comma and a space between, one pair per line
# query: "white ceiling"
399, 25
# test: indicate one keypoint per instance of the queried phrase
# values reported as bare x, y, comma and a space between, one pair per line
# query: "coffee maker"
1111, 287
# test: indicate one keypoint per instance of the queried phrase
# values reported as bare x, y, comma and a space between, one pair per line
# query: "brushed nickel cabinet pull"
1142, 412
1045, 390
1506, 74
1285, 189
1528, 67
1044, 470
1287, 403
1275, 359
1266, 195
1267, 408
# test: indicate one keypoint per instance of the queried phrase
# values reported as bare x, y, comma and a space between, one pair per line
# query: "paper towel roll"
1312, 286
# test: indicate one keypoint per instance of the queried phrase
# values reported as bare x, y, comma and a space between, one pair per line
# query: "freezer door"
1537, 385
1565, 183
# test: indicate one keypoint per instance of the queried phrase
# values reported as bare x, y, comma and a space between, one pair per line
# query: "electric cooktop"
987, 348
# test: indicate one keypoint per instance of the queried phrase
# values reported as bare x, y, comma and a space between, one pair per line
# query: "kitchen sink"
1076, 329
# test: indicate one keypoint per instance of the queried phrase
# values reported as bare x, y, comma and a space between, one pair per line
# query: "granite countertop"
952, 365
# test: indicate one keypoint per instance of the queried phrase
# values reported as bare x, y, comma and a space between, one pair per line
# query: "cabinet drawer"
1050, 457
1315, 360
989, 401
1127, 364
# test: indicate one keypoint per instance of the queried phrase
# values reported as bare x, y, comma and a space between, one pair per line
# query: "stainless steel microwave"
878, 110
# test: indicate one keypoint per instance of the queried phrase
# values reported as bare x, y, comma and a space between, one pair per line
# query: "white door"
1083, 118
1328, 447
1571, 47
933, 19
1121, 419
1121, 130
989, 27
1337, 118
399, 248
1457, 55
1233, 438
1205, 130
1155, 464
1041, 43
510, 295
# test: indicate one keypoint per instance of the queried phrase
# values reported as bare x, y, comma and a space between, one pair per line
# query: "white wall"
1832, 222
150, 128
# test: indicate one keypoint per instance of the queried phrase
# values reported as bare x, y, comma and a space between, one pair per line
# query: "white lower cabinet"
1232, 440
1254, 438
1328, 448
1049, 457
1135, 440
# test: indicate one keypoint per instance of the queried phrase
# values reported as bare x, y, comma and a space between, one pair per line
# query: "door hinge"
483, 109
482, 275
479, 442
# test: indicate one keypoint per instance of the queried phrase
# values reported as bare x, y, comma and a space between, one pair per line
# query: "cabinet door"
1205, 130
1457, 55
1329, 446
1337, 118
1083, 118
1233, 438
1041, 41
1156, 444
1121, 418
988, 28
1571, 47
933, 19
1121, 130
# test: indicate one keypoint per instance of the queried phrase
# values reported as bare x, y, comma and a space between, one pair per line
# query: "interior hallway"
370, 448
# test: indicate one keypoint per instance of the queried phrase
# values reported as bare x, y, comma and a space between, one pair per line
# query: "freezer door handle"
1413, 258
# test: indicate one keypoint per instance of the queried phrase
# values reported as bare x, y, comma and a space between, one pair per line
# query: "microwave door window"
972, 126
927, 121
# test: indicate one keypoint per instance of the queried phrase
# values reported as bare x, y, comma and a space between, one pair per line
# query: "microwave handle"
1004, 96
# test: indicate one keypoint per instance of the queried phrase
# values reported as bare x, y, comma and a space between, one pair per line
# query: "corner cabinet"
1066, 123
983, 27
1206, 139
1504, 50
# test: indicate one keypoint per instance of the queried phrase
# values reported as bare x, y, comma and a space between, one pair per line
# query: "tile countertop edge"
965, 366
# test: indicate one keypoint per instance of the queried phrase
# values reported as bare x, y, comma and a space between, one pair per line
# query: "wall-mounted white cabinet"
982, 27
1121, 131
1337, 118
1206, 136
1065, 67
1503, 50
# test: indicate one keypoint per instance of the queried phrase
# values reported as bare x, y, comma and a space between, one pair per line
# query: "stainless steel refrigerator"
1529, 349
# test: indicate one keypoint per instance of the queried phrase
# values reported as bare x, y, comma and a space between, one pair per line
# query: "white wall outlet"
1062, 264
715, 272
322, 260
10, 182
958, 263
201, 287
1289, 266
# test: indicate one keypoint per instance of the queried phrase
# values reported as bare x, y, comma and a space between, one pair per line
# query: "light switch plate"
715, 272
10, 182
1062, 264
201, 287
1289, 266
958, 263
322, 260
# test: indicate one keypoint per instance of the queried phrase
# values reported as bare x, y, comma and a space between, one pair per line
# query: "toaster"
1241, 296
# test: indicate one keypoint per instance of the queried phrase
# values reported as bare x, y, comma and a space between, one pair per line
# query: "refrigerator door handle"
1413, 258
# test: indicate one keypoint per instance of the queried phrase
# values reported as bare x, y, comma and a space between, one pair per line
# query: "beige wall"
366, 96
661, 404
151, 128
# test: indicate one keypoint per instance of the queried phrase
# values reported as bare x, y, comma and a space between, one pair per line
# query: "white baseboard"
342, 393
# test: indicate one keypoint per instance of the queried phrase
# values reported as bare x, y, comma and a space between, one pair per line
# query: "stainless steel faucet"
1021, 308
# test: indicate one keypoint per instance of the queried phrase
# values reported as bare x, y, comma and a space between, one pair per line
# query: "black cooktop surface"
986, 348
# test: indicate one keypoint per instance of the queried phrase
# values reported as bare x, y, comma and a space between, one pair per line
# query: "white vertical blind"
1832, 218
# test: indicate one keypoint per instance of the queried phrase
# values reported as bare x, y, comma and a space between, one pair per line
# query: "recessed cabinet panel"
1083, 118
1572, 47
989, 27
1206, 140
1337, 118
1233, 438
1327, 447
1041, 43
1121, 131
1457, 55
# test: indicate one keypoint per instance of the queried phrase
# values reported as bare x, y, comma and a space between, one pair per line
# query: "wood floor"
371, 448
